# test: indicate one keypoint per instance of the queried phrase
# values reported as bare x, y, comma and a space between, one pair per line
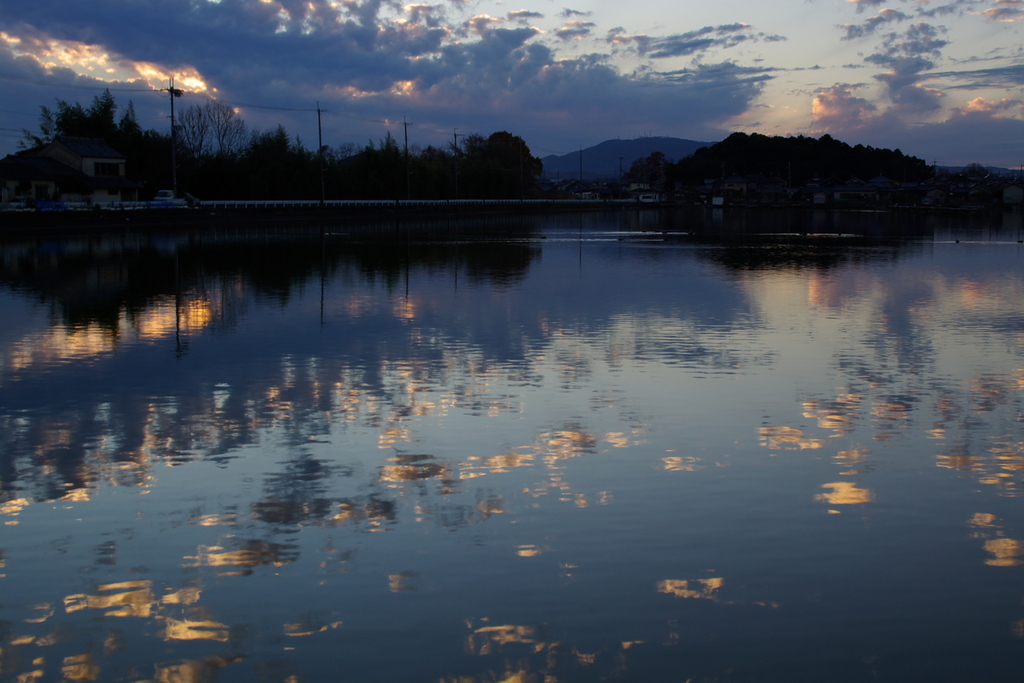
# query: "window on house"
107, 169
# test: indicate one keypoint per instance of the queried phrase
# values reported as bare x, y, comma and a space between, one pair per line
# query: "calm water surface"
538, 450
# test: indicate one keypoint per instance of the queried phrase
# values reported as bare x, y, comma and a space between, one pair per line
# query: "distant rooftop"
36, 168
89, 147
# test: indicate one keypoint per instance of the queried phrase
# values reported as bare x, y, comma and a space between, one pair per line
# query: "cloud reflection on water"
417, 401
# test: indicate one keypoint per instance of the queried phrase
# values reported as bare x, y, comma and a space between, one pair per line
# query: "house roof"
89, 147
36, 168
18, 167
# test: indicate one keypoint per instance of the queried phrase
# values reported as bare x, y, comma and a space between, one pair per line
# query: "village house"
68, 169
1012, 193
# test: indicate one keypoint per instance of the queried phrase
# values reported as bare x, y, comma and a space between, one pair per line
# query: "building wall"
89, 166
20, 190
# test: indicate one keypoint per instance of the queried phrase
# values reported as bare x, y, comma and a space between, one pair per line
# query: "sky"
938, 79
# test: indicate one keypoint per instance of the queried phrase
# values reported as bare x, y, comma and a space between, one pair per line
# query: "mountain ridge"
603, 159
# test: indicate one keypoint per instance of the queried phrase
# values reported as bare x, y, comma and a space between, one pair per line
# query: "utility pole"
455, 135
620, 177
408, 186
174, 92
522, 182
320, 149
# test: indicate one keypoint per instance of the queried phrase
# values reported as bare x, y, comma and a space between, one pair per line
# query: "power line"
264, 106
434, 130
361, 118
256, 106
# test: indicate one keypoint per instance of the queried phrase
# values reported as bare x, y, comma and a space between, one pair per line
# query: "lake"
636, 445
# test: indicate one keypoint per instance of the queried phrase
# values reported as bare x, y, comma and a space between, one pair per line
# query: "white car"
165, 199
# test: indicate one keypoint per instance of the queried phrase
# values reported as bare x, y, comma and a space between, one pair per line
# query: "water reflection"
524, 450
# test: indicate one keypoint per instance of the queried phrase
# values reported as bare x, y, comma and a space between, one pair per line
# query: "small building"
24, 178
981, 194
68, 169
771, 189
567, 187
734, 185
855, 190
1013, 193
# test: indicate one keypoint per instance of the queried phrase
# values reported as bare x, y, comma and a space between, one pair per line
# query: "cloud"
444, 64
921, 7
977, 132
970, 134
716, 77
957, 7
481, 23
909, 112
699, 41
430, 15
368, 60
523, 15
908, 55
618, 37
1010, 76
862, 4
575, 30
1007, 11
838, 109
918, 42
981, 105
868, 27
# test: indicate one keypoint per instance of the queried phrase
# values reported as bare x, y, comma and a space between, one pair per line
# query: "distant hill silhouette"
797, 159
1000, 171
602, 160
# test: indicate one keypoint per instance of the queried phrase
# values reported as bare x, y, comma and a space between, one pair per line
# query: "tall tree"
650, 169
128, 126
227, 128
98, 121
499, 166
193, 132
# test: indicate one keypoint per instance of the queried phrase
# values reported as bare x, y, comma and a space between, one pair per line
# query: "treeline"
148, 152
219, 157
798, 158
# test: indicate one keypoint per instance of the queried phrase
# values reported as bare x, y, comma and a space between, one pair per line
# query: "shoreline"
20, 223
